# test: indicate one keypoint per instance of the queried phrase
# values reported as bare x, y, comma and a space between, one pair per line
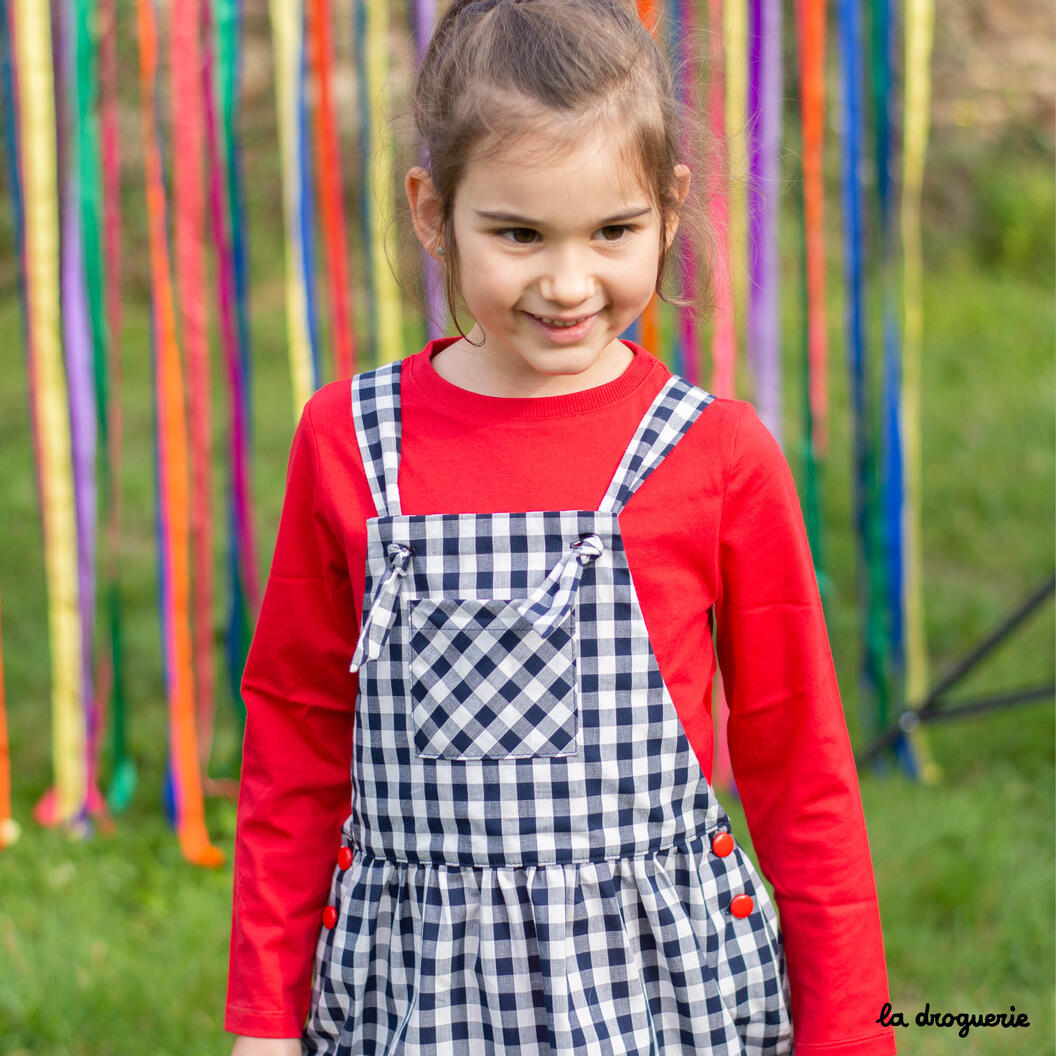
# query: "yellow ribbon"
388, 313
735, 23
286, 32
920, 20
36, 102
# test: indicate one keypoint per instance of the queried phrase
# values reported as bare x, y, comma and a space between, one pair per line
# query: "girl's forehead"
593, 167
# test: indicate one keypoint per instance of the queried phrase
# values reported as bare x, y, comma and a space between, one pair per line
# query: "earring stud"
440, 251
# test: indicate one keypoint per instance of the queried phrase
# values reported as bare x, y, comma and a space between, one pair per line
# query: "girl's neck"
462, 365
470, 403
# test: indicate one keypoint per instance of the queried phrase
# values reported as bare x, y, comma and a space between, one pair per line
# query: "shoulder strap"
676, 407
376, 411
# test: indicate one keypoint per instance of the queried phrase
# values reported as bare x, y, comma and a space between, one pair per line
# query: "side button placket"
722, 844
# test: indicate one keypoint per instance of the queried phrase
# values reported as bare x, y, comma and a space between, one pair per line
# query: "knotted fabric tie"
551, 601
378, 623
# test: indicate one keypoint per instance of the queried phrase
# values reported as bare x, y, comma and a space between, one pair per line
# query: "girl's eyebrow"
513, 218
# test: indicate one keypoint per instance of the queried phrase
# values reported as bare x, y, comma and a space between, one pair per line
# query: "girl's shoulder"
329, 408
730, 444
727, 424
328, 422
330, 399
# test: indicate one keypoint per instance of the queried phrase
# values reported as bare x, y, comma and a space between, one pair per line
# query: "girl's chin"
583, 360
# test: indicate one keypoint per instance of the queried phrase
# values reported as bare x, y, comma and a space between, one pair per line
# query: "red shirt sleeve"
295, 786
792, 758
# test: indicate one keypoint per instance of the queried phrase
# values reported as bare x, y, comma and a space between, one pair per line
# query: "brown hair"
494, 70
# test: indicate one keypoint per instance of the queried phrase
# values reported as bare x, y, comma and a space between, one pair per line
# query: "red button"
329, 916
741, 905
722, 844
344, 857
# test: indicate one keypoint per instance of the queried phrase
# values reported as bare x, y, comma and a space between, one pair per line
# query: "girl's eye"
620, 229
516, 230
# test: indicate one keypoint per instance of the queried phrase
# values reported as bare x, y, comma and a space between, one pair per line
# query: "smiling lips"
560, 321
565, 331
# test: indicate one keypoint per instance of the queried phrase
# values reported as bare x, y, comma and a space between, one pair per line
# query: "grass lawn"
114, 946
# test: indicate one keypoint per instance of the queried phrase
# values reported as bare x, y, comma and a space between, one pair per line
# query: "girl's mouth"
564, 334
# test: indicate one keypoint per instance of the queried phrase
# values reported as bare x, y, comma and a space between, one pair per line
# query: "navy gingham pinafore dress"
534, 863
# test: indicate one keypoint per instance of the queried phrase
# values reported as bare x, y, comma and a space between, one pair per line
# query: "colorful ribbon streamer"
850, 137
424, 18
172, 468
306, 207
37, 138
386, 311
649, 321
888, 499
365, 201
9, 828
76, 344
810, 34
286, 29
14, 174
764, 116
919, 30
12, 170
189, 202
85, 351
869, 573
92, 220
110, 681
328, 172
723, 334
735, 23
810, 25
688, 75
226, 219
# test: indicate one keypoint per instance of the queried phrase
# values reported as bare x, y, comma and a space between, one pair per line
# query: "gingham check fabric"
485, 685
382, 608
532, 868
552, 599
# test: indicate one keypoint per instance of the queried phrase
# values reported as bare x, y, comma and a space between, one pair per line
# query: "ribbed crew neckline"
477, 404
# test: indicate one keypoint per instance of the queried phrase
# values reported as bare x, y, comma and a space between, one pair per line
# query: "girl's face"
570, 238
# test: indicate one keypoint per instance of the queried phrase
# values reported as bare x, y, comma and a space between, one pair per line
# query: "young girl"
518, 540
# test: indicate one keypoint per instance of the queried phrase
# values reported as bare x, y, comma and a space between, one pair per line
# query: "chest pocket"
494, 678
485, 684
490, 678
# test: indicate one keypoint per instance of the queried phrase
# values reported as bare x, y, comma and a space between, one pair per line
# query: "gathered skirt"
626, 956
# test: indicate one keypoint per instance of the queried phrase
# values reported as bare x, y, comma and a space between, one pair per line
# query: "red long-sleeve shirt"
715, 531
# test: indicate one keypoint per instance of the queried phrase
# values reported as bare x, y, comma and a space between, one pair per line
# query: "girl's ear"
426, 210
681, 189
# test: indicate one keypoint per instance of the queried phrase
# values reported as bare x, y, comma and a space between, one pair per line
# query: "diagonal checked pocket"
485, 684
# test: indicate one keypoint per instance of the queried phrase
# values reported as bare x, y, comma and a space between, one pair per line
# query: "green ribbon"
813, 480
123, 778
228, 23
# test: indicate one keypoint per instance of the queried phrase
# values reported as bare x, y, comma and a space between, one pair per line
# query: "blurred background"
111, 943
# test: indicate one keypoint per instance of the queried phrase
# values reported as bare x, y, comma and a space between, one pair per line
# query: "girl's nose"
566, 279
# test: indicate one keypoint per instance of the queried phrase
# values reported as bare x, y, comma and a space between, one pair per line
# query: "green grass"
114, 946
